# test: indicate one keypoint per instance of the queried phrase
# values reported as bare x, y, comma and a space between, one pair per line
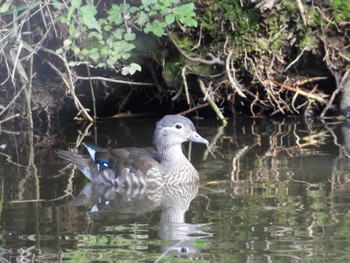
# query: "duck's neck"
171, 154
175, 162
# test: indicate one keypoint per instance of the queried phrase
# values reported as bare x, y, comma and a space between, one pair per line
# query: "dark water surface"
277, 191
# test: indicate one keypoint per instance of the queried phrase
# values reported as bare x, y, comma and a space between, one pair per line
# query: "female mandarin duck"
143, 167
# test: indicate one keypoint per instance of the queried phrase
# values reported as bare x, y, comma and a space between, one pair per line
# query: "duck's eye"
178, 126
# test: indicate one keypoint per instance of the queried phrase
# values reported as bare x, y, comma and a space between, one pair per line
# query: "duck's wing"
136, 166
127, 167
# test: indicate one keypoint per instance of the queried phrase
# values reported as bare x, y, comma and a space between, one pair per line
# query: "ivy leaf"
158, 31
111, 61
94, 54
189, 21
181, 10
88, 13
169, 19
192, 22
141, 21
131, 69
129, 36
133, 9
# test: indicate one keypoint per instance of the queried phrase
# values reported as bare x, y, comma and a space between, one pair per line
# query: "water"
277, 191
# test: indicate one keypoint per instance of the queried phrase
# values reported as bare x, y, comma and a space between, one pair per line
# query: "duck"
143, 167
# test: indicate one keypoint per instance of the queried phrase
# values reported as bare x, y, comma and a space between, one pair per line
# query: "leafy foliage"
104, 36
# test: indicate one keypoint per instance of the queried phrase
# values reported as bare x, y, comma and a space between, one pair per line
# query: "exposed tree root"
214, 60
234, 83
320, 97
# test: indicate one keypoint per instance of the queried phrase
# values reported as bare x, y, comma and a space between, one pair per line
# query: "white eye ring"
178, 126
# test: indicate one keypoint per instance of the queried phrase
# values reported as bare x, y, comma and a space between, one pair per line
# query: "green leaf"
165, 3
94, 54
169, 19
72, 30
189, 21
141, 21
88, 13
158, 31
76, 50
70, 14
148, 28
111, 61
129, 36
192, 22
131, 69
133, 9
184, 9
59, 51
95, 35
148, 2
76, 3
5, 7
107, 28
67, 42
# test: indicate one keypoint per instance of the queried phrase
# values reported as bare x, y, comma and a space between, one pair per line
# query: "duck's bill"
195, 137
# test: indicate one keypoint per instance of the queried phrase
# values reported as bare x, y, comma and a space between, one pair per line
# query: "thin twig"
198, 107
77, 102
345, 77
233, 82
132, 83
9, 118
14, 99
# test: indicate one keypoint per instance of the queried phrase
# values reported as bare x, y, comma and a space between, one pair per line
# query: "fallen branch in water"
212, 103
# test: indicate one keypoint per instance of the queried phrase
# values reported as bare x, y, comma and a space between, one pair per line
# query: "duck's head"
173, 130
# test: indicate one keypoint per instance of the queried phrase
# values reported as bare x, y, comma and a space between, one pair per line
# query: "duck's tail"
83, 162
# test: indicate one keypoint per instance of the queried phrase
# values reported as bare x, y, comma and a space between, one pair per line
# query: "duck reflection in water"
134, 181
129, 203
